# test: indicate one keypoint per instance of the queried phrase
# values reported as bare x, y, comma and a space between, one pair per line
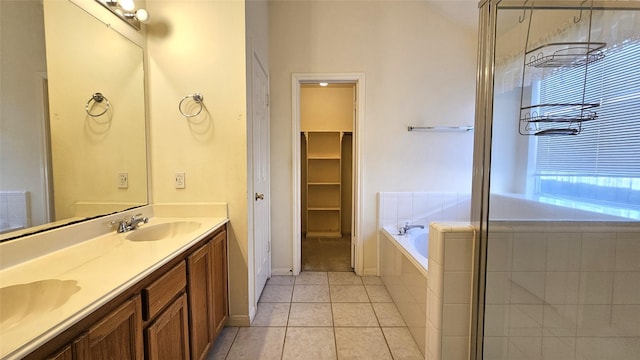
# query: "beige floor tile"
223, 344
306, 343
276, 293
264, 343
271, 314
311, 293
361, 343
310, 314
348, 293
388, 314
372, 280
353, 314
401, 343
312, 278
378, 293
344, 278
281, 280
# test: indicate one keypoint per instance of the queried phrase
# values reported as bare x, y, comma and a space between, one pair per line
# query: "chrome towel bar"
441, 128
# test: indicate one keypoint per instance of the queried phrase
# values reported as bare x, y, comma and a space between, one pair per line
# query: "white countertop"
103, 267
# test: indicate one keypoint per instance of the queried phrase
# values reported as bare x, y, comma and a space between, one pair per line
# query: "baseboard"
281, 272
238, 320
370, 272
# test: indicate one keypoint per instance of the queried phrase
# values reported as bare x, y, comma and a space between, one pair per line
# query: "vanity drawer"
160, 293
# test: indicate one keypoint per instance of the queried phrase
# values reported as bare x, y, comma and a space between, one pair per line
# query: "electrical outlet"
180, 183
123, 180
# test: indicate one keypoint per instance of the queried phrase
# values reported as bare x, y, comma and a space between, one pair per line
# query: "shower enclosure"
556, 191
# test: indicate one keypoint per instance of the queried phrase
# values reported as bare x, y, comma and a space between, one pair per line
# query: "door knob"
259, 196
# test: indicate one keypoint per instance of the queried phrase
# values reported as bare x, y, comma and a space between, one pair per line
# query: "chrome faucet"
124, 225
403, 229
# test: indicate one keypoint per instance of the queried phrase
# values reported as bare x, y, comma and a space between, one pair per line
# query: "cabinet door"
199, 285
168, 337
220, 289
117, 336
64, 354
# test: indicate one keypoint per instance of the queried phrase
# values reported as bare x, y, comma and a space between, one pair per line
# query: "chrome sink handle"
124, 225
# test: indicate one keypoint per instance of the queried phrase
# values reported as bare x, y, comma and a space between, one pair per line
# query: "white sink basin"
33, 299
163, 231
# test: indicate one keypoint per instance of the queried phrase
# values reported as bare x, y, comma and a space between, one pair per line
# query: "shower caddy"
564, 118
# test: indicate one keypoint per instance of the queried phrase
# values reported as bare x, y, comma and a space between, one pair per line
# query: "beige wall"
200, 47
419, 62
326, 108
88, 152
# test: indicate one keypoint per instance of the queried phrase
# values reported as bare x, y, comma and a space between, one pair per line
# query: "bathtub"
404, 272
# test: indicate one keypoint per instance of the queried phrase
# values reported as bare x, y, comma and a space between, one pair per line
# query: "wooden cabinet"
200, 287
65, 354
117, 336
220, 287
174, 313
208, 294
168, 337
324, 183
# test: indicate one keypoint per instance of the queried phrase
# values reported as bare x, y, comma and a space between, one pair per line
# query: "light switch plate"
180, 181
123, 180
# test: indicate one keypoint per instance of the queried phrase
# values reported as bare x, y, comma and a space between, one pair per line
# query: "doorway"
326, 177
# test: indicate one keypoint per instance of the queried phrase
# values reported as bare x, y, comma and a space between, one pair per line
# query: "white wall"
419, 61
21, 120
200, 47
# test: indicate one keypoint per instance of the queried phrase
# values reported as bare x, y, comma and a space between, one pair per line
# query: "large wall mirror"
67, 154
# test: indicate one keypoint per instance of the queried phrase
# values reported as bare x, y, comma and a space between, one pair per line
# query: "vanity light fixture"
125, 10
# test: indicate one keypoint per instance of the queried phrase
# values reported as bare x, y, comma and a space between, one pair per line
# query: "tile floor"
321, 315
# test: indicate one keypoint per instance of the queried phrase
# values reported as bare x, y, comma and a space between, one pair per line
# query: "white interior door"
261, 203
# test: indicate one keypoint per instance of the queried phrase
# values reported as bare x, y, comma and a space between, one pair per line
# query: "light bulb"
127, 5
323, 84
142, 15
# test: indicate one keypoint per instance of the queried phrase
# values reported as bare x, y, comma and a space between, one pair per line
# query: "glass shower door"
559, 209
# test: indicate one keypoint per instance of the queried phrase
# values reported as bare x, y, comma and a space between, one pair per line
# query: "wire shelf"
565, 54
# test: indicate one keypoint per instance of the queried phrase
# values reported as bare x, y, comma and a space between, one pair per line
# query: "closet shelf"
317, 208
565, 54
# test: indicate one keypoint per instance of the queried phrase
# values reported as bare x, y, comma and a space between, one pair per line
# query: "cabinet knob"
259, 196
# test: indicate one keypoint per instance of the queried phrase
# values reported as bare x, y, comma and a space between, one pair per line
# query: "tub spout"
403, 229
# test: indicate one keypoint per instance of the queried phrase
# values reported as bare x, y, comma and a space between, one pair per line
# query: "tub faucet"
124, 225
403, 229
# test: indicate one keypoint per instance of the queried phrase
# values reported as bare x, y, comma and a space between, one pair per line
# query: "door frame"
297, 79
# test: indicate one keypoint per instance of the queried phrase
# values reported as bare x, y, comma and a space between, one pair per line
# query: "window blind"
602, 163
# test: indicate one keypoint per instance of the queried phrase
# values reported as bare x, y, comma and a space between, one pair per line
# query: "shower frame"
488, 13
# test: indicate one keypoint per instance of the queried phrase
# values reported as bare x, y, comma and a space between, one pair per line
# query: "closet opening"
326, 146
327, 134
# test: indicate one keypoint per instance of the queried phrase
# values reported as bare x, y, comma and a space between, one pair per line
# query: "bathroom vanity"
158, 292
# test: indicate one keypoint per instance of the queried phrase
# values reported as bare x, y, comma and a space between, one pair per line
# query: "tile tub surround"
449, 290
320, 315
406, 280
563, 290
81, 253
397, 208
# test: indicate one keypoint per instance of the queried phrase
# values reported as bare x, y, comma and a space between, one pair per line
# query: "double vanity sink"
42, 296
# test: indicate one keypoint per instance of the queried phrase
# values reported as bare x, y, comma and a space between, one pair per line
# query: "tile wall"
449, 291
396, 208
563, 291
14, 210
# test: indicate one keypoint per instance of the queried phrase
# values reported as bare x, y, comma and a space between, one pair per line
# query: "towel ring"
97, 98
197, 98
